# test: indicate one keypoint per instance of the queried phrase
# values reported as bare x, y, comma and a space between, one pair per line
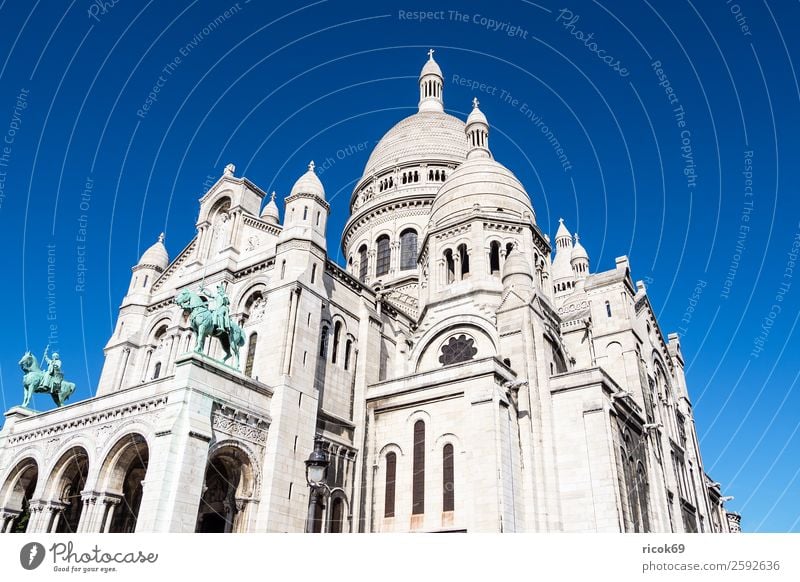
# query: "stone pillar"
169, 365
89, 512
126, 354
148, 355
36, 522
7, 518
110, 504
178, 456
53, 514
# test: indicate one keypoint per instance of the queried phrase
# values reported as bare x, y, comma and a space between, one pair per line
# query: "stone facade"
462, 373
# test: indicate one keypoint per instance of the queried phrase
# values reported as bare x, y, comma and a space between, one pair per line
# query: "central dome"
426, 135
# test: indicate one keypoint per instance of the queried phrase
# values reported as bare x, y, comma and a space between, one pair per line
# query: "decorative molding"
261, 225
112, 414
238, 424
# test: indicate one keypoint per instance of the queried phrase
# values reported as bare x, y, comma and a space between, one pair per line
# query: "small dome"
156, 256
270, 212
309, 183
516, 264
481, 182
431, 67
476, 115
578, 252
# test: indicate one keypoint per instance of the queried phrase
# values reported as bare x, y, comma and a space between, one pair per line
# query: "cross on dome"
161, 238
475, 102
311, 166
430, 54
272, 196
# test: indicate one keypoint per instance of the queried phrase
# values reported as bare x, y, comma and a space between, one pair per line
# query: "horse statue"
35, 380
204, 323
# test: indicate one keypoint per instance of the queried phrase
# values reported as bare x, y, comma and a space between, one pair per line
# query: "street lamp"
316, 477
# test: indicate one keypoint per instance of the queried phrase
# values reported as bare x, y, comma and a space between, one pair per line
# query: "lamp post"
316, 477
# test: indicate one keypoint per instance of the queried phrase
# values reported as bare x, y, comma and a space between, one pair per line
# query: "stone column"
53, 515
169, 365
148, 355
88, 512
110, 504
7, 518
36, 521
126, 354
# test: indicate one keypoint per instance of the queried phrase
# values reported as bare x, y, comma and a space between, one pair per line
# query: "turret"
150, 266
307, 211
270, 212
579, 259
517, 271
563, 277
477, 130
430, 86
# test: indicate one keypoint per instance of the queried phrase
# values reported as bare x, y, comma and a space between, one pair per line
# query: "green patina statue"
212, 321
50, 381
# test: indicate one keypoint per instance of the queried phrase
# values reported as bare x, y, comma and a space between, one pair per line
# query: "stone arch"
230, 482
65, 483
245, 298
121, 481
445, 438
16, 494
389, 448
338, 511
158, 329
221, 202
483, 334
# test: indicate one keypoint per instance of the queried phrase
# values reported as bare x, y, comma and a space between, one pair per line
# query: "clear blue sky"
655, 166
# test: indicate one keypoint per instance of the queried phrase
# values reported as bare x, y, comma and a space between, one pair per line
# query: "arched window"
450, 266
283, 268
391, 476
363, 263
337, 515
463, 255
418, 478
641, 484
348, 346
448, 479
383, 257
337, 332
305, 212
323, 342
494, 258
157, 371
313, 273
251, 354
408, 249
608, 309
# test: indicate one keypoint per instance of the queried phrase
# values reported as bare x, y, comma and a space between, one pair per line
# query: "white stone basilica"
459, 376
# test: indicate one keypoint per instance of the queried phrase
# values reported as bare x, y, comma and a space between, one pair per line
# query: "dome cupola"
430, 86
477, 130
270, 212
156, 256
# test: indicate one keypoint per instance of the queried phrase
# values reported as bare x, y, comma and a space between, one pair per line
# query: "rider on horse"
53, 376
220, 311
